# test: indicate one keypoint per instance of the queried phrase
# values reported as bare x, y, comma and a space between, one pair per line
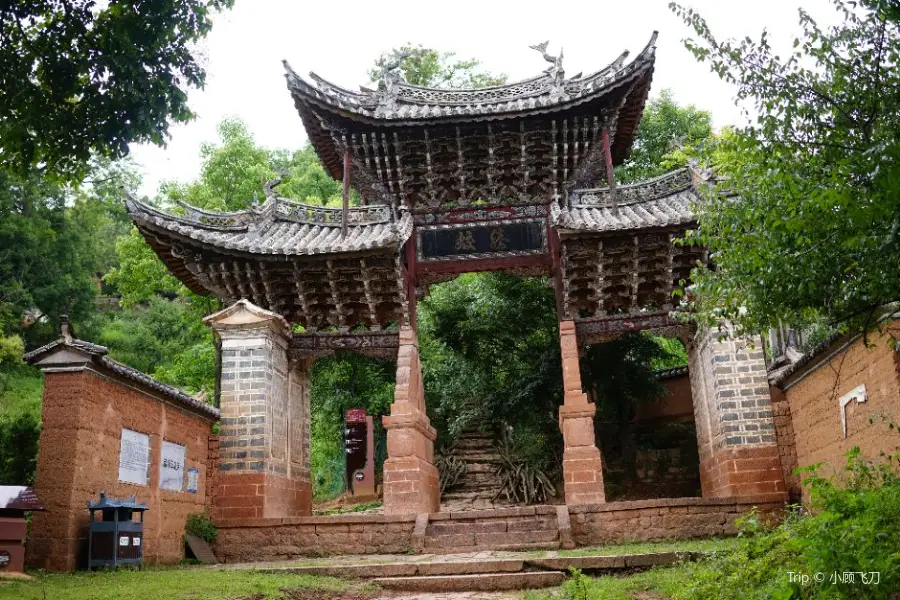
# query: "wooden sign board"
200, 549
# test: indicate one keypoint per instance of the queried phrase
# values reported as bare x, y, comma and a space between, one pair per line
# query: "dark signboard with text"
483, 241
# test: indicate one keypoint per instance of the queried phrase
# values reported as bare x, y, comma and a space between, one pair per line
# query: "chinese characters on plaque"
525, 237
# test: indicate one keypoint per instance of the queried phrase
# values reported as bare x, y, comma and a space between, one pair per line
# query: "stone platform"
516, 528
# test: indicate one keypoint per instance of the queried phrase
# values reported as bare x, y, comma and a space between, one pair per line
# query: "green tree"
426, 67
81, 77
667, 134
232, 175
46, 258
807, 221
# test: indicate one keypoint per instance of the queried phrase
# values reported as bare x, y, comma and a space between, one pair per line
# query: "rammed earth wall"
812, 395
83, 415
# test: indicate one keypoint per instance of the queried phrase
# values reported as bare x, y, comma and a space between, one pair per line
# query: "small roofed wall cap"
68, 353
129, 503
18, 498
243, 314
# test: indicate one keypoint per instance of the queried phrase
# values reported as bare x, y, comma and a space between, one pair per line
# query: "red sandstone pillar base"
742, 472
582, 466
411, 482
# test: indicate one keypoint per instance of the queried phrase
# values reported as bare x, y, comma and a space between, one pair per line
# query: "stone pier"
582, 466
411, 483
264, 437
734, 419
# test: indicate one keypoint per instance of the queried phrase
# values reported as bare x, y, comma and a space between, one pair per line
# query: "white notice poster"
134, 457
171, 469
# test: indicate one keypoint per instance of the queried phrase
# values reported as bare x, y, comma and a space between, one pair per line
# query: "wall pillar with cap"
264, 436
733, 415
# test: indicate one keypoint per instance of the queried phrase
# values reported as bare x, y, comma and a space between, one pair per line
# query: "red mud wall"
83, 415
813, 396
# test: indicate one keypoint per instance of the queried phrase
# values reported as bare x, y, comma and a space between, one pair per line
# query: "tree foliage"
81, 77
427, 67
807, 221
666, 136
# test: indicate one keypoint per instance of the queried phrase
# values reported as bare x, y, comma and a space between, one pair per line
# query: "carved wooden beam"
379, 344
594, 330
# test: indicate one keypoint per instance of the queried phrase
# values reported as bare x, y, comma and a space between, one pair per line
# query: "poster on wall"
193, 480
134, 457
171, 469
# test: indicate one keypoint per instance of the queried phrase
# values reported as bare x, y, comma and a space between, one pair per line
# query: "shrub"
854, 528
201, 525
521, 482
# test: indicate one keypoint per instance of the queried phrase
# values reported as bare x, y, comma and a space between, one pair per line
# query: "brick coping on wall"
517, 511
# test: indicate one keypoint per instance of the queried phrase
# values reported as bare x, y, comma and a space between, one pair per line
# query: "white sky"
340, 40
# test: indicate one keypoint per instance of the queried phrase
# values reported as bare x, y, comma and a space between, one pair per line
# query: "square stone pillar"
582, 466
733, 416
264, 437
411, 483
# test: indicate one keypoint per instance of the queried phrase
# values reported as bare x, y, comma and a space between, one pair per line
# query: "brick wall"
671, 518
83, 414
813, 392
787, 447
290, 538
243, 540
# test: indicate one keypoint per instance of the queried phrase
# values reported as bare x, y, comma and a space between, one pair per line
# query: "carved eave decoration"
289, 258
622, 266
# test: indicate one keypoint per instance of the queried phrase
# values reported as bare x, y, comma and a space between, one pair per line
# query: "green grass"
649, 547
662, 582
20, 391
170, 584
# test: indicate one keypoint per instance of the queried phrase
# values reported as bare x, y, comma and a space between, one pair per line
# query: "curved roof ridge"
429, 102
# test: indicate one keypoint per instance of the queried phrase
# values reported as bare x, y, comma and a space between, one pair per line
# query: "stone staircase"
481, 483
479, 572
514, 528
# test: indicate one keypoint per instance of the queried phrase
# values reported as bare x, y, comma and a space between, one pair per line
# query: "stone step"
470, 494
487, 582
477, 456
486, 539
407, 569
482, 467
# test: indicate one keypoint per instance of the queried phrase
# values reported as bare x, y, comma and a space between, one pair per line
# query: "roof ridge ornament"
555, 70
391, 75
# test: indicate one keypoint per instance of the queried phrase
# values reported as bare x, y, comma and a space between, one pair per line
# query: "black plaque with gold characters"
483, 241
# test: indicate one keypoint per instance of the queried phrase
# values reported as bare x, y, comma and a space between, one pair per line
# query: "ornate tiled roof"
661, 202
98, 356
281, 227
396, 100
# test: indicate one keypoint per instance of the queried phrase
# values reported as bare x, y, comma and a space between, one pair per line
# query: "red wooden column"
582, 466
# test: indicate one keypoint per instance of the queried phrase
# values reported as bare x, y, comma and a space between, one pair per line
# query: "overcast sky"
340, 40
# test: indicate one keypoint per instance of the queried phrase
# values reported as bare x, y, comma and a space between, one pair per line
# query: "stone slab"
474, 583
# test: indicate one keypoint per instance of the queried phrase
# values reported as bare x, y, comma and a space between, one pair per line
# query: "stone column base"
582, 466
260, 495
411, 486
742, 472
